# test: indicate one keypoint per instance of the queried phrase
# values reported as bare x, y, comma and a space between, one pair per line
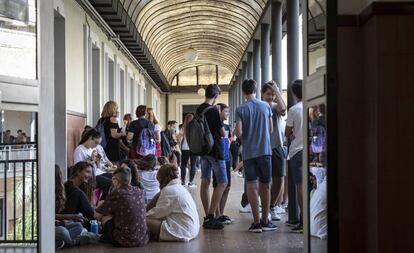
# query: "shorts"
258, 167
295, 168
210, 164
228, 175
278, 163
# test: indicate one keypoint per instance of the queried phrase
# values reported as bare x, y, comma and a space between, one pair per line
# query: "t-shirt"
77, 202
226, 143
277, 136
83, 153
295, 120
149, 182
214, 123
136, 127
254, 116
127, 207
184, 143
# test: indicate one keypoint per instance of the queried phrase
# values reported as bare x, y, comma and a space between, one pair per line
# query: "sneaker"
212, 223
255, 228
297, 229
292, 224
246, 209
273, 214
240, 174
60, 245
280, 210
285, 206
268, 227
192, 185
89, 238
224, 219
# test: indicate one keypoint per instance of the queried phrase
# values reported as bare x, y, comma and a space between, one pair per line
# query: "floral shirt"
127, 207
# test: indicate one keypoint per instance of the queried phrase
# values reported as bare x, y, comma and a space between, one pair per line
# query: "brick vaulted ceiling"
157, 32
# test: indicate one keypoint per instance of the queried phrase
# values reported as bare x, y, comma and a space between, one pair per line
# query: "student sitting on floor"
123, 213
174, 216
148, 176
135, 179
68, 227
79, 192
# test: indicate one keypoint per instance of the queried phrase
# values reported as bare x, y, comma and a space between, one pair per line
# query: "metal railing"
18, 194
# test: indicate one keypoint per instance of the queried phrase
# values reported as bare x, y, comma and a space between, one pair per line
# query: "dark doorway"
189, 109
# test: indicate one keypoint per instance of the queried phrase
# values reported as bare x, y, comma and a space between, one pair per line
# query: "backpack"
318, 139
165, 145
146, 142
100, 128
198, 135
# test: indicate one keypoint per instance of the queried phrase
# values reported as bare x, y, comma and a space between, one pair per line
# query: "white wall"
76, 80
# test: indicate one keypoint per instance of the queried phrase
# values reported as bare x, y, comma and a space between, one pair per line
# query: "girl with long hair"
113, 133
87, 151
152, 117
186, 154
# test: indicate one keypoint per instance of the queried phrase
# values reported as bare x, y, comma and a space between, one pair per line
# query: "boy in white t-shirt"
294, 134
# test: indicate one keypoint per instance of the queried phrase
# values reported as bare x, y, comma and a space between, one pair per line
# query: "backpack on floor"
100, 128
146, 142
198, 135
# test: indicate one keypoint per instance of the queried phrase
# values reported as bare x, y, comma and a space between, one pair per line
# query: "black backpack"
198, 135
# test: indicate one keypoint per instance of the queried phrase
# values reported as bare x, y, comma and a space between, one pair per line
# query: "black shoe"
297, 229
268, 227
225, 220
212, 223
292, 223
244, 201
255, 228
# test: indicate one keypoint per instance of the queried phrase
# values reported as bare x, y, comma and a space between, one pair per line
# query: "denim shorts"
228, 176
208, 164
295, 168
259, 167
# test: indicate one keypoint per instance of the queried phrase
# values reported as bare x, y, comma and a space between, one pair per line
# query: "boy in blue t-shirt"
225, 141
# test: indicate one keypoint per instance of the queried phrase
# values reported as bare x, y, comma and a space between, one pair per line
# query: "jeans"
69, 234
187, 155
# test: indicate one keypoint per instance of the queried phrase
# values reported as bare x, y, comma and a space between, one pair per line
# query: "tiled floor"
234, 238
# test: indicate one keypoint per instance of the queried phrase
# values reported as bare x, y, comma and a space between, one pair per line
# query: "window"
225, 75
18, 38
187, 77
207, 74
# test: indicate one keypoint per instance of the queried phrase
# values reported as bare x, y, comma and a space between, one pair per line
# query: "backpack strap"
206, 109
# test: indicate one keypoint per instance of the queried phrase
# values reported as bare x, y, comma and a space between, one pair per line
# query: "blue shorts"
208, 164
259, 167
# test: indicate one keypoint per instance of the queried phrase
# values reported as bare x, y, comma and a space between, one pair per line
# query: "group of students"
137, 199
131, 180
260, 133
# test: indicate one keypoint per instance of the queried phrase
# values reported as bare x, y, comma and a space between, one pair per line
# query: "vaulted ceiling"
219, 30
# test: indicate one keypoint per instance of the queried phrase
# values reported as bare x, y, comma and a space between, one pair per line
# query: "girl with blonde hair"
151, 116
109, 120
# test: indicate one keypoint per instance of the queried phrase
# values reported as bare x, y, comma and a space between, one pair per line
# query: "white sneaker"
192, 185
280, 210
240, 174
246, 209
273, 215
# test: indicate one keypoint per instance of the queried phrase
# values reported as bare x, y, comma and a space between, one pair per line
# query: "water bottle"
94, 226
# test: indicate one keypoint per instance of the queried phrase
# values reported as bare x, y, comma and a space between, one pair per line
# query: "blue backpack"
146, 142
100, 128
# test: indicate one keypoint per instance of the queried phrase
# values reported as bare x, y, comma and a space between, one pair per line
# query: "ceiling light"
190, 55
201, 92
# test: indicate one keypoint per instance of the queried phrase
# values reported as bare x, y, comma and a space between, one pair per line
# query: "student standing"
254, 126
294, 134
271, 95
225, 141
213, 160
